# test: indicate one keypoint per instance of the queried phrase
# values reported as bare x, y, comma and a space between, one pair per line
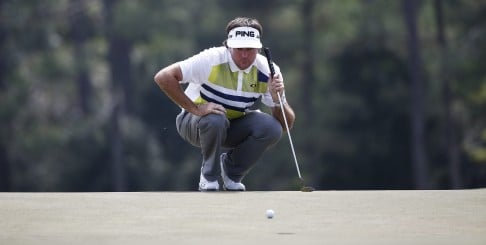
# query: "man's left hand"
276, 86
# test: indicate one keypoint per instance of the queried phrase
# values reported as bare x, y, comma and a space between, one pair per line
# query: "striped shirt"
214, 77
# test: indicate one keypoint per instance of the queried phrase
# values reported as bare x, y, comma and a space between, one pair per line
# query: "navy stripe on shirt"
229, 97
208, 99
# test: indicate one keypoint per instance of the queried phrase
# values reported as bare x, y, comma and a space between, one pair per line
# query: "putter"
272, 73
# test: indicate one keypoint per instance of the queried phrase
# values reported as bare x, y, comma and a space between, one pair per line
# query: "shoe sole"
235, 190
208, 190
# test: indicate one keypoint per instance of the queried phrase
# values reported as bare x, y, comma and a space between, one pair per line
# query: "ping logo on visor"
245, 33
244, 37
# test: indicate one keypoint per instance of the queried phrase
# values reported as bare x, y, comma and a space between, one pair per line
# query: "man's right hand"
210, 107
168, 81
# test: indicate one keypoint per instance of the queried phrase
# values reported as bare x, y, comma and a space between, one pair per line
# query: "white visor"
244, 37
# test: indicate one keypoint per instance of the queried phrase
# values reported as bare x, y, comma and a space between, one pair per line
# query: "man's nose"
244, 53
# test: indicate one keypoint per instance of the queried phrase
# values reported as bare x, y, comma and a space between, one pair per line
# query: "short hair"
243, 21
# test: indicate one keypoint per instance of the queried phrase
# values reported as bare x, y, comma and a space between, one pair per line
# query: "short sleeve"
196, 69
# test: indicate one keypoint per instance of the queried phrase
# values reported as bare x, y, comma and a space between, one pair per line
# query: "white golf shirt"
214, 77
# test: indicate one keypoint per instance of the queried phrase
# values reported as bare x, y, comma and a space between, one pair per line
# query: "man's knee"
213, 122
269, 128
275, 131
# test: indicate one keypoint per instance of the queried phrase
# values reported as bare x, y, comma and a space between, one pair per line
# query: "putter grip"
270, 61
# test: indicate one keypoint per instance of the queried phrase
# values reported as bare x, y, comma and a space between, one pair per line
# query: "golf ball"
270, 213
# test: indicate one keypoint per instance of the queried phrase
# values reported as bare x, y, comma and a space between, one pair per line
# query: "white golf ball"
270, 213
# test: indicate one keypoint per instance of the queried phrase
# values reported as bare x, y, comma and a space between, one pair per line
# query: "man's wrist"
282, 99
277, 104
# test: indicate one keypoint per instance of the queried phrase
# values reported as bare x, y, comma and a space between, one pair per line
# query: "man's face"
243, 57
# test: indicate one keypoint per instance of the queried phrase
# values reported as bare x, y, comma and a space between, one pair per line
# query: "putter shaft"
272, 72
290, 137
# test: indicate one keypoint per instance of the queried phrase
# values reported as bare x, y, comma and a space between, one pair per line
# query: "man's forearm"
289, 114
168, 81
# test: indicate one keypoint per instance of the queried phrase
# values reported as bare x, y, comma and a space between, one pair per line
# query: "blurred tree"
27, 35
451, 139
5, 180
120, 46
417, 106
467, 20
118, 57
369, 150
80, 30
308, 75
80, 112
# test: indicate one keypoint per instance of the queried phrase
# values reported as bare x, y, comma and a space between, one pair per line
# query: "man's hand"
210, 107
168, 81
276, 86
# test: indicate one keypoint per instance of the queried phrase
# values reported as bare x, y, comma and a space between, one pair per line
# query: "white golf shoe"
205, 185
229, 184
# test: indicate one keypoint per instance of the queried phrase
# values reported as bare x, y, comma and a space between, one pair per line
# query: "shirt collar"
235, 68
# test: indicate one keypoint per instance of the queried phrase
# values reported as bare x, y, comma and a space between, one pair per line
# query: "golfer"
223, 84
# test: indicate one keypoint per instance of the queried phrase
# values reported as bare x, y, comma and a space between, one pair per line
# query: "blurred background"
388, 94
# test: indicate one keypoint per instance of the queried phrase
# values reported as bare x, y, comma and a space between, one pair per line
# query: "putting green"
320, 217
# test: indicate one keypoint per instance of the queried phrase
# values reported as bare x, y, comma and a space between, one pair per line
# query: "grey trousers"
245, 139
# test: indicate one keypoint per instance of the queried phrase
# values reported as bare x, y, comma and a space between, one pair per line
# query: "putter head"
307, 189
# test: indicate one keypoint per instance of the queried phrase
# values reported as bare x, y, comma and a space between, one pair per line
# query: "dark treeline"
388, 94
